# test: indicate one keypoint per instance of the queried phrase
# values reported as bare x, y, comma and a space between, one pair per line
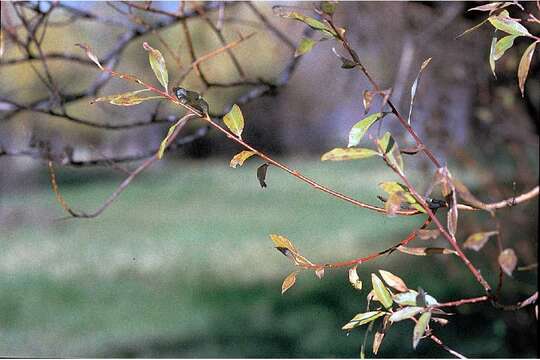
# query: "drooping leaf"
363, 318
502, 45
354, 279
157, 63
360, 128
367, 98
235, 120
305, 46
406, 313
341, 154
467, 195
2, 43
393, 204
508, 25
452, 215
393, 281
90, 54
492, 55
163, 144
319, 272
420, 328
377, 340
440, 321
238, 159
261, 174
472, 28
477, 240
414, 87
523, 68
382, 293
288, 282
508, 261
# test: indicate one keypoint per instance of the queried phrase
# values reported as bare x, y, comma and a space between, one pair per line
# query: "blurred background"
181, 264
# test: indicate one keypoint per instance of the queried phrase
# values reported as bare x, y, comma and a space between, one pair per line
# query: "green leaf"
360, 128
235, 120
406, 313
309, 21
477, 240
472, 28
363, 318
508, 25
239, 158
502, 45
305, 46
523, 68
341, 154
492, 55
487, 7
391, 150
328, 7
282, 242
126, 99
409, 298
163, 144
157, 63
381, 292
508, 261
420, 328
414, 86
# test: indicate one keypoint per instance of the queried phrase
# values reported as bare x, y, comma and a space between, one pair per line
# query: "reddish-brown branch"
463, 302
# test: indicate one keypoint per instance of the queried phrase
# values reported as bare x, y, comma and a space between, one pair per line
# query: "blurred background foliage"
181, 265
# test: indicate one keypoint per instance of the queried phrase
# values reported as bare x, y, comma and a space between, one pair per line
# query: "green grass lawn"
181, 265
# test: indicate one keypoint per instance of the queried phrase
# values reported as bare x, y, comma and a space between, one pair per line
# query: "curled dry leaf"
238, 159
261, 174
477, 240
157, 63
428, 234
393, 281
423, 251
354, 279
288, 282
90, 54
377, 340
508, 261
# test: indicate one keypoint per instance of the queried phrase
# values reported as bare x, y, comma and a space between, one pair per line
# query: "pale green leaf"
406, 313
508, 25
157, 63
235, 120
305, 46
341, 154
360, 128
492, 55
363, 318
126, 99
381, 292
502, 45
420, 328
163, 144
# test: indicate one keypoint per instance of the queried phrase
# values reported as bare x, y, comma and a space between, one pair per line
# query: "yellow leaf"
235, 121
477, 241
340, 154
282, 242
239, 158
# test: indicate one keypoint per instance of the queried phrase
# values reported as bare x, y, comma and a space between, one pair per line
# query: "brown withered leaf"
354, 279
508, 261
377, 340
423, 251
238, 159
367, 98
428, 234
288, 282
261, 174
393, 281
